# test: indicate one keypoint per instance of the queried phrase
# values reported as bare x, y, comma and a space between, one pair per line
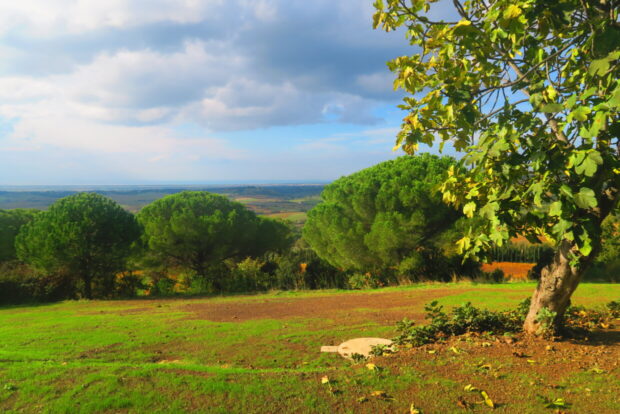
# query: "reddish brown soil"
378, 307
512, 270
516, 369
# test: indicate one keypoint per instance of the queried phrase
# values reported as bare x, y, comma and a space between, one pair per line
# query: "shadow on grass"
598, 338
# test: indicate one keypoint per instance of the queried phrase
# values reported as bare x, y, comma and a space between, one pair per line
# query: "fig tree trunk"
557, 283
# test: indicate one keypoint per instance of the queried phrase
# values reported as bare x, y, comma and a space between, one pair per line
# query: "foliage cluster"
462, 319
388, 220
466, 318
529, 90
197, 231
84, 239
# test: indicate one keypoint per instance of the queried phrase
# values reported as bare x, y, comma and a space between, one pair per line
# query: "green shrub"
467, 318
20, 283
462, 319
364, 281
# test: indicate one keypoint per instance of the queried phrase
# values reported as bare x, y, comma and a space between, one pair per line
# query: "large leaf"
585, 198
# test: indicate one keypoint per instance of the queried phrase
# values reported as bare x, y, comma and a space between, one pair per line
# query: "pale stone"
361, 346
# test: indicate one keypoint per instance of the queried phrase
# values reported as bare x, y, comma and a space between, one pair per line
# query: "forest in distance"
381, 226
263, 199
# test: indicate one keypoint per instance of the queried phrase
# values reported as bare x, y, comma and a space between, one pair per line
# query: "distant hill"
264, 199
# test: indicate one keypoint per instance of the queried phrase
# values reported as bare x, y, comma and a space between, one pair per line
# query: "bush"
463, 319
128, 284
20, 283
301, 268
364, 281
467, 318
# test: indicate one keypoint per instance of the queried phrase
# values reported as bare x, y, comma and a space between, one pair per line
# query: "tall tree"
197, 229
389, 216
10, 223
530, 91
85, 237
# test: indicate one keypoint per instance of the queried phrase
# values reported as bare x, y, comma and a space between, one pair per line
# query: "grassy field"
260, 353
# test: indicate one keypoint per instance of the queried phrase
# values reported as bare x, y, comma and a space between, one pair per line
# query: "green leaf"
614, 101
585, 198
598, 67
590, 164
580, 114
566, 191
570, 102
555, 209
552, 108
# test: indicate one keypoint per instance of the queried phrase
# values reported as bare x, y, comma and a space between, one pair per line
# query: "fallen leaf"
432, 351
325, 380
461, 403
413, 410
488, 401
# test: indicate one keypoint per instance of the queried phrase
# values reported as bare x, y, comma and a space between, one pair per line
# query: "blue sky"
191, 91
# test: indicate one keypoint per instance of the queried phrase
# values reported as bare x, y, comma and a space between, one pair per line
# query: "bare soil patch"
378, 307
513, 370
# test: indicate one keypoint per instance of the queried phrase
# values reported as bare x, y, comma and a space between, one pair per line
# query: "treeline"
384, 225
87, 246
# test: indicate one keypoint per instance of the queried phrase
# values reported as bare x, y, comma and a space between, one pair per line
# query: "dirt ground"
377, 307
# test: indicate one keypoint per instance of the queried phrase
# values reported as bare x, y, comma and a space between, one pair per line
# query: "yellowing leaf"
512, 12
432, 351
487, 400
470, 388
469, 208
325, 380
455, 350
371, 366
413, 410
463, 22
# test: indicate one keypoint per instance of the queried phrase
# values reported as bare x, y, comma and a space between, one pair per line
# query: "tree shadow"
598, 338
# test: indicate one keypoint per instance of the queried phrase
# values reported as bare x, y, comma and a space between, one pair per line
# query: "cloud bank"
125, 78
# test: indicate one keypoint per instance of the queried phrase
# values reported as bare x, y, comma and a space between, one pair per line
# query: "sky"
193, 91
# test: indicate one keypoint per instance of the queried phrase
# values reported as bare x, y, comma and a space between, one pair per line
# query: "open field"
264, 199
259, 353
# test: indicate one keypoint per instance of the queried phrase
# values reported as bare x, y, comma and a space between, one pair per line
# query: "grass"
294, 216
160, 356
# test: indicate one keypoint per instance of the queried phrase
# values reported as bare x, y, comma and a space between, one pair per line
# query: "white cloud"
70, 81
44, 17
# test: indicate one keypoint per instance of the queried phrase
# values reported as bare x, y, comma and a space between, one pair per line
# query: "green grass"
83, 357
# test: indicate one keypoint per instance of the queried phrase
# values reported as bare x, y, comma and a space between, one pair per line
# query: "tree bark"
88, 289
557, 283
